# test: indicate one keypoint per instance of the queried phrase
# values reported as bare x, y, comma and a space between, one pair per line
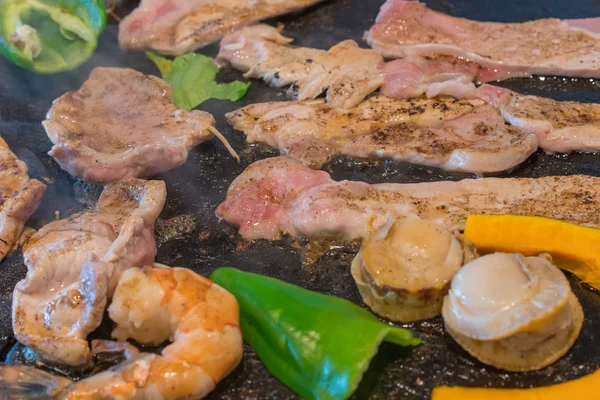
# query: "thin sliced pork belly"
561, 126
346, 72
261, 52
74, 264
19, 198
122, 124
281, 196
456, 135
407, 28
442, 75
179, 26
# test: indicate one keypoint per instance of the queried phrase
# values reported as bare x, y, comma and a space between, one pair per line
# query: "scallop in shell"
513, 312
404, 269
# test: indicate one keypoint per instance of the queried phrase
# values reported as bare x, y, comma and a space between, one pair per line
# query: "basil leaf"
193, 79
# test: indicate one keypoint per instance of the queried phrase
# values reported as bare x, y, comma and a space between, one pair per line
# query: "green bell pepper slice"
318, 345
48, 36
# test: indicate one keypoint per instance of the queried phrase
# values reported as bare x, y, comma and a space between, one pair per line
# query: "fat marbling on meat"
123, 124
74, 264
406, 28
346, 72
179, 26
19, 198
456, 135
279, 196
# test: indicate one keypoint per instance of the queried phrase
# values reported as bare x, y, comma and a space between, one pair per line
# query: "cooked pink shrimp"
156, 304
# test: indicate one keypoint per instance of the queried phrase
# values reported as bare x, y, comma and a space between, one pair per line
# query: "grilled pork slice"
19, 198
347, 72
561, 126
261, 52
545, 47
123, 124
456, 135
180, 26
281, 196
73, 266
430, 76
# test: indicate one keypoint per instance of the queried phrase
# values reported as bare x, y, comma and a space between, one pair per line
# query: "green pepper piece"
48, 36
318, 345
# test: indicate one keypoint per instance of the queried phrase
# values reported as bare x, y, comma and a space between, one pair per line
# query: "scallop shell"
403, 270
513, 312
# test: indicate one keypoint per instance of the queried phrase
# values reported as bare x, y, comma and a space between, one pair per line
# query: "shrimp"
156, 304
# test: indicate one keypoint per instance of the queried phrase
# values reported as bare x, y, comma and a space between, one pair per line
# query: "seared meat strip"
456, 135
281, 196
123, 124
407, 28
180, 26
74, 264
347, 72
19, 198
561, 126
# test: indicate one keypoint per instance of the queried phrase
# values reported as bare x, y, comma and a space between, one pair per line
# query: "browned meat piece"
457, 135
123, 124
180, 26
561, 126
19, 198
281, 196
347, 72
407, 28
74, 264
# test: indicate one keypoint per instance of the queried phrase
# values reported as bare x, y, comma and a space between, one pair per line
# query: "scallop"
404, 269
513, 312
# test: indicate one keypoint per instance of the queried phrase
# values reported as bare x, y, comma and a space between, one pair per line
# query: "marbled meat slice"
406, 28
279, 196
346, 72
19, 198
180, 26
74, 264
123, 124
456, 135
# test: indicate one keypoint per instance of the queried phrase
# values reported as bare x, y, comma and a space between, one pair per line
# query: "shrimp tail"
22, 382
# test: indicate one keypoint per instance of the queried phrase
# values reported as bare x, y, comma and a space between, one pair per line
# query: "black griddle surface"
196, 188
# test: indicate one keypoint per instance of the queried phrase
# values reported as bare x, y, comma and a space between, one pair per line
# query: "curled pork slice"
74, 264
456, 135
123, 124
179, 26
262, 52
279, 196
346, 72
549, 46
561, 126
19, 198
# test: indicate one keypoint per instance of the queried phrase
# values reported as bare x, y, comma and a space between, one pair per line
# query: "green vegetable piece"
192, 77
320, 346
48, 36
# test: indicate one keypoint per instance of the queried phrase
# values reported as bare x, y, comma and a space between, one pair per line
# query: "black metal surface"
196, 188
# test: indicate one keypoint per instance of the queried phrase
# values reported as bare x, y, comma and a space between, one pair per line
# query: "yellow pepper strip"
582, 388
573, 247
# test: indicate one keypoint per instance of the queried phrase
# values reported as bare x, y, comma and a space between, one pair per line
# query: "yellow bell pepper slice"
573, 247
585, 387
